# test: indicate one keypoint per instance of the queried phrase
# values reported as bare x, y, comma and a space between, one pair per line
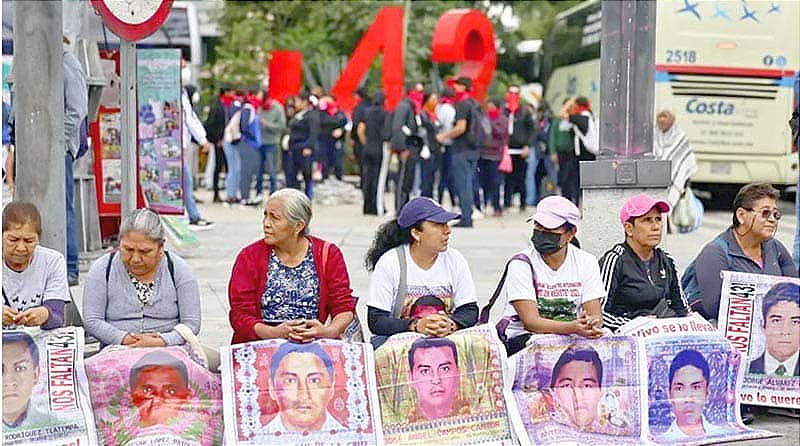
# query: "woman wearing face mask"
640, 279
411, 262
553, 287
747, 246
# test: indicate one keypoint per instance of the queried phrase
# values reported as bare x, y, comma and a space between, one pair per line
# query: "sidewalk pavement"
486, 248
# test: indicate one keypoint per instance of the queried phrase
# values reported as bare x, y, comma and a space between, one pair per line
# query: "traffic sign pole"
128, 114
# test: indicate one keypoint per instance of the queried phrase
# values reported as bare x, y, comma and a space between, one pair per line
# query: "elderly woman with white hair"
136, 296
289, 285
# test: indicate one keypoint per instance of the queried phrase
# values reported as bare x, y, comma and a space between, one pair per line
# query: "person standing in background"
272, 119
359, 115
76, 107
446, 114
521, 132
215, 129
370, 135
490, 177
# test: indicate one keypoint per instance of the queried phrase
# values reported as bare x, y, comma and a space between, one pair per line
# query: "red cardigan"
249, 280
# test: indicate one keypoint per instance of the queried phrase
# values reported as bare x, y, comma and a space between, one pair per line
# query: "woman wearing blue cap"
410, 261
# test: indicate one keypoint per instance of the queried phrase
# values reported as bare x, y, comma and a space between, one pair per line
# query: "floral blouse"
291, 293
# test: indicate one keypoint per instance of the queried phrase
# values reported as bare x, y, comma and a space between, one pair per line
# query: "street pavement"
486, 247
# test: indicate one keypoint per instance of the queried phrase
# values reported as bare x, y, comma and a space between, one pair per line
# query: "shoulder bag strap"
402, 286
484, 316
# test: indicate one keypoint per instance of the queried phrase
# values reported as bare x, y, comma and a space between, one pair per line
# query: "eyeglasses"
767, 213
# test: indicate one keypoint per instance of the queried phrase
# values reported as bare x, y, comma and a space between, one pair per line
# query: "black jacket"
523, 131
215, 124
631, 292
403, 116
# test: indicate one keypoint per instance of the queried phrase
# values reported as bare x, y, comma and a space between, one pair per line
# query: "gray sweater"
112, 310
273, 123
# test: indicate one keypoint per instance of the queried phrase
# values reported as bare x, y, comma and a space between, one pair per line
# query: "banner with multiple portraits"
280, 392
45, 393
154, 396
760, 316
691, 377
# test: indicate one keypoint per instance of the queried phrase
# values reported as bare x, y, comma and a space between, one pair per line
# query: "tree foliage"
326, 32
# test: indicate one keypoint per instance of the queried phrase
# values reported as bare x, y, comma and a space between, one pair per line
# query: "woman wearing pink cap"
554, 286
640, 279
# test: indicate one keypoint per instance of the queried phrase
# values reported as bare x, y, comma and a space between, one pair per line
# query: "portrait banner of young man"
760, 316
443, 389
576, 390
45, 390
147, 396
694, 379
281, 392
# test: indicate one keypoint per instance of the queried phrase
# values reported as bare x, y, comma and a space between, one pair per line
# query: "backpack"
503, 323
691, 287
233, 131
479, 134
591, 140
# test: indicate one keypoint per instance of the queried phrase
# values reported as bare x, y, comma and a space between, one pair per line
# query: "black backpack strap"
171, 268
484, 316
108, 267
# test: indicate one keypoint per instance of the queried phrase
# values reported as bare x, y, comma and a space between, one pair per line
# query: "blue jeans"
188, 197
294, 162
248, 157
532, 182
463, 169
446, 176
72, 229
266, 153
234, 165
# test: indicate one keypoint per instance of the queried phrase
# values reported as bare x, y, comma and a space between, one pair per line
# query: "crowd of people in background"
432, 137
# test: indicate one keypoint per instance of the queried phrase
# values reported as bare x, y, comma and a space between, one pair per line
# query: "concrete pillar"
625, 166
39, 115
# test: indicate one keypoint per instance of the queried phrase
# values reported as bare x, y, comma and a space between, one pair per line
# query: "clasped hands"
143, 340
303, 330
588, 326
435, 324
32, 317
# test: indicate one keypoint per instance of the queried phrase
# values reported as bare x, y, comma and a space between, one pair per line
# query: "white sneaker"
259, 198
477, 215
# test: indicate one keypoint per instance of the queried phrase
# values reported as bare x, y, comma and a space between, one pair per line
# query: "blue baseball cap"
423, 209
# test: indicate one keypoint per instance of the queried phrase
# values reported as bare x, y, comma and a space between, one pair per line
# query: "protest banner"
154, 396
281, 392
443, 389
577, 390
160, 150
693, 376
45, 392
760, 316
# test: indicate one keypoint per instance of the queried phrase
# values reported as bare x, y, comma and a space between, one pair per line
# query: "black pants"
516, 344
219, 164
406, 178
569, 177
515, 181
370, 172
428, 177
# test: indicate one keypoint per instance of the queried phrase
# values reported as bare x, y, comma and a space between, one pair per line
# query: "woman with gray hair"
289, 285
137, 295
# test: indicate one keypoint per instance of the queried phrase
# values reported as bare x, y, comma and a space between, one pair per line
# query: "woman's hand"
587, 327
309, 330
8, 315
130, 339
32, 317
437, 325
149, 340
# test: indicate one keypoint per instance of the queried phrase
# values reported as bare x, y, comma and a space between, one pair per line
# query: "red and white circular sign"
133, 20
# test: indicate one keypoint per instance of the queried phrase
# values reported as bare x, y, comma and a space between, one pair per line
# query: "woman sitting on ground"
748, 246
34, 277
136, 296
414, 270
287, 285
640, 279
553, 287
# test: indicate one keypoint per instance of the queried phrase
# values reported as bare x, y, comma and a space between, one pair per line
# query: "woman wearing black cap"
410, 259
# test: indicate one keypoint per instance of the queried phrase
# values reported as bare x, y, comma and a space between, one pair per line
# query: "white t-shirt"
561, 293
44, 279
449, 279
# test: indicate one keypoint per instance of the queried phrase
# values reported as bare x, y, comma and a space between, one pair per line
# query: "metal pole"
39, 115
127, 67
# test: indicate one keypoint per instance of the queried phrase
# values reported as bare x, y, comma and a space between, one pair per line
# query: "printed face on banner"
691, 388
435, 376
300, 393
20, 375
158, 394
782, 324
435, 388
570, 389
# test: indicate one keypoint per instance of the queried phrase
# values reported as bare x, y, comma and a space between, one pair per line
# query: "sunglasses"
767, 213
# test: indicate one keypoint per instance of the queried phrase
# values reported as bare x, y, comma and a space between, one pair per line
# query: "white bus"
726, 69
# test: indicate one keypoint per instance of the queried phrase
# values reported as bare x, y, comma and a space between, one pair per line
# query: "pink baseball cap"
640, 204
553, 211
